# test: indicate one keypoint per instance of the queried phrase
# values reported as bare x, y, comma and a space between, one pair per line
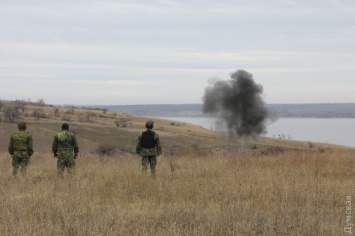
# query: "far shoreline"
304, 110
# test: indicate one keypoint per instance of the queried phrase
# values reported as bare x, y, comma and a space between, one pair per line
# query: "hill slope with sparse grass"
97, 127
205, 184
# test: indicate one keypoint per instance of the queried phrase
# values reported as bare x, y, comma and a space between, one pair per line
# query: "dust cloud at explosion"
238, 103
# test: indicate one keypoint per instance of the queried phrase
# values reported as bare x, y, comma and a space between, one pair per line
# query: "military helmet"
65, 126
22, 125
149, 124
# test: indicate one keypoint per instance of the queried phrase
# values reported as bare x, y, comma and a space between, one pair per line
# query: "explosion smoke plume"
238, 103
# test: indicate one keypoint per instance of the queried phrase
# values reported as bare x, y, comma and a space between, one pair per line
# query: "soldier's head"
22, 125
65, 126
149, 124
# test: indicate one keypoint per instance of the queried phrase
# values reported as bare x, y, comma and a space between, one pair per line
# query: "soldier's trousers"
65, 162
149, 160
20, 159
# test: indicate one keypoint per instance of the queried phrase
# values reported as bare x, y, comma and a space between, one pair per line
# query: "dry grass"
282, 187
290, 193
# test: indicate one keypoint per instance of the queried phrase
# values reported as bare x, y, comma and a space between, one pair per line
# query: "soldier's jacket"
65, 144
21, 141
148, 144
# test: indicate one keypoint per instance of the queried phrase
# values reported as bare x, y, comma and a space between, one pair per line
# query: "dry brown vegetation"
96, 127
293, 193
278, 187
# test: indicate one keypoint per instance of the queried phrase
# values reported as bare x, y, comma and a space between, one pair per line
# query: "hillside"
96, 127
115, 131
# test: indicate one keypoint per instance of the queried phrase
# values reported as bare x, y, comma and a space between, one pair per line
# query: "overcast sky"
165, 51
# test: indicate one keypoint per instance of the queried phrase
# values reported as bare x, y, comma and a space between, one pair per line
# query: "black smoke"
239, 104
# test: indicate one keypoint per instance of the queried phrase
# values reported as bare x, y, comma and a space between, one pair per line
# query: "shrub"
106, 149
121, 122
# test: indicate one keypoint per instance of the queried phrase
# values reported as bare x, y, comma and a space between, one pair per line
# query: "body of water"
325, 130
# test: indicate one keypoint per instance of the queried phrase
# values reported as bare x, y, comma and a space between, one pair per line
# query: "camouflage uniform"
20, 148
149, 147
65, 149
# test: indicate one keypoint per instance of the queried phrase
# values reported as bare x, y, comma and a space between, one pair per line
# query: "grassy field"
205, 184
290, 193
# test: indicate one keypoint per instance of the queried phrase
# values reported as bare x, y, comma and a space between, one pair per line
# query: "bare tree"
71, 109
22, 108
89, 115
41, 102
56, 112
11, 113
20, 105
1, 104
37, 114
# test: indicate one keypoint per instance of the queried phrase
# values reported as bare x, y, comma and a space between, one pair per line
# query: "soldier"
148, 147
65, 149
20, 148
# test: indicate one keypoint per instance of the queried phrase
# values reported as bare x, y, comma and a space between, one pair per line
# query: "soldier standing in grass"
148, 147
20, 148
65, 149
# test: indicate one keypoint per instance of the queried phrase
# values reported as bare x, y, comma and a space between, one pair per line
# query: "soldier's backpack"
63, 136
20, 140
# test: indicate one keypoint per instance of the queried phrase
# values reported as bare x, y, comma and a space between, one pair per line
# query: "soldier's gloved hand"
75, 155
55, 155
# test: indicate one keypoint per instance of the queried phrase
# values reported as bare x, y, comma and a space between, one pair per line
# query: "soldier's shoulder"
16, 133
